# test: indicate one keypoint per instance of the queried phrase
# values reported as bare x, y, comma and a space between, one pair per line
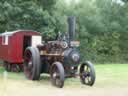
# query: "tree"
101, 26
27, 14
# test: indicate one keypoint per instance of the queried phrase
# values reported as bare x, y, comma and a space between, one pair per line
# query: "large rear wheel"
32, 63
57, 74
87, 73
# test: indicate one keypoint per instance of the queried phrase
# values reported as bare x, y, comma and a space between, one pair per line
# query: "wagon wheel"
7, 66
57, 74
32, 63
15, 68
87, 73
21, 67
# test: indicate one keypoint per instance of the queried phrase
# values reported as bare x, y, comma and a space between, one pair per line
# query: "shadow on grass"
45, 79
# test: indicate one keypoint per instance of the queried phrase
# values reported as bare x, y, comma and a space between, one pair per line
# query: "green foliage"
102, 25
27, 14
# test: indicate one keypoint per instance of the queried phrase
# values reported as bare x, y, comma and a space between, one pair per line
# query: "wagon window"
5, 40
36, 40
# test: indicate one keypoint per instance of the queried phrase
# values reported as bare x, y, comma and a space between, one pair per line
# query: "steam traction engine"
59, 58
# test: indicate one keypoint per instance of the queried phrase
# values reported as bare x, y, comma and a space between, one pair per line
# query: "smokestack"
71, 27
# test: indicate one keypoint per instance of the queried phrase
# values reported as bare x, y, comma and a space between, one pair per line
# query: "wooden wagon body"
13, 44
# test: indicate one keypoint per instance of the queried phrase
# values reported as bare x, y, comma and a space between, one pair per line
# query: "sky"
68, 1
117, 1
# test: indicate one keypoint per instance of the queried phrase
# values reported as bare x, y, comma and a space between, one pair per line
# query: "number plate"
75, 43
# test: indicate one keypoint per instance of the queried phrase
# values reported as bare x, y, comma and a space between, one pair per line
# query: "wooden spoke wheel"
57, 74
32, 63
7, 66
15, 68
87, 73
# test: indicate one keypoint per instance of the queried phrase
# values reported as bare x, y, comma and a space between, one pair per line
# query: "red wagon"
12, 46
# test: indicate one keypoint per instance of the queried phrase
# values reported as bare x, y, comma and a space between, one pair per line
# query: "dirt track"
29, 88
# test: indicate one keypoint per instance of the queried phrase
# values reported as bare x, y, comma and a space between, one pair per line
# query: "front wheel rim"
57, 76
87, 74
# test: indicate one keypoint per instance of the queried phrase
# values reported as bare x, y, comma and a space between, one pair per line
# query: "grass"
112, 75
110, 79
107, 75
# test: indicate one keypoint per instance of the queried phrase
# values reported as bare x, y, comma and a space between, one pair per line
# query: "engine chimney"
71, 27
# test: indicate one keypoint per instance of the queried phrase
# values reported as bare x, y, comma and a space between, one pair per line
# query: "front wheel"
87, 73
57, 74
